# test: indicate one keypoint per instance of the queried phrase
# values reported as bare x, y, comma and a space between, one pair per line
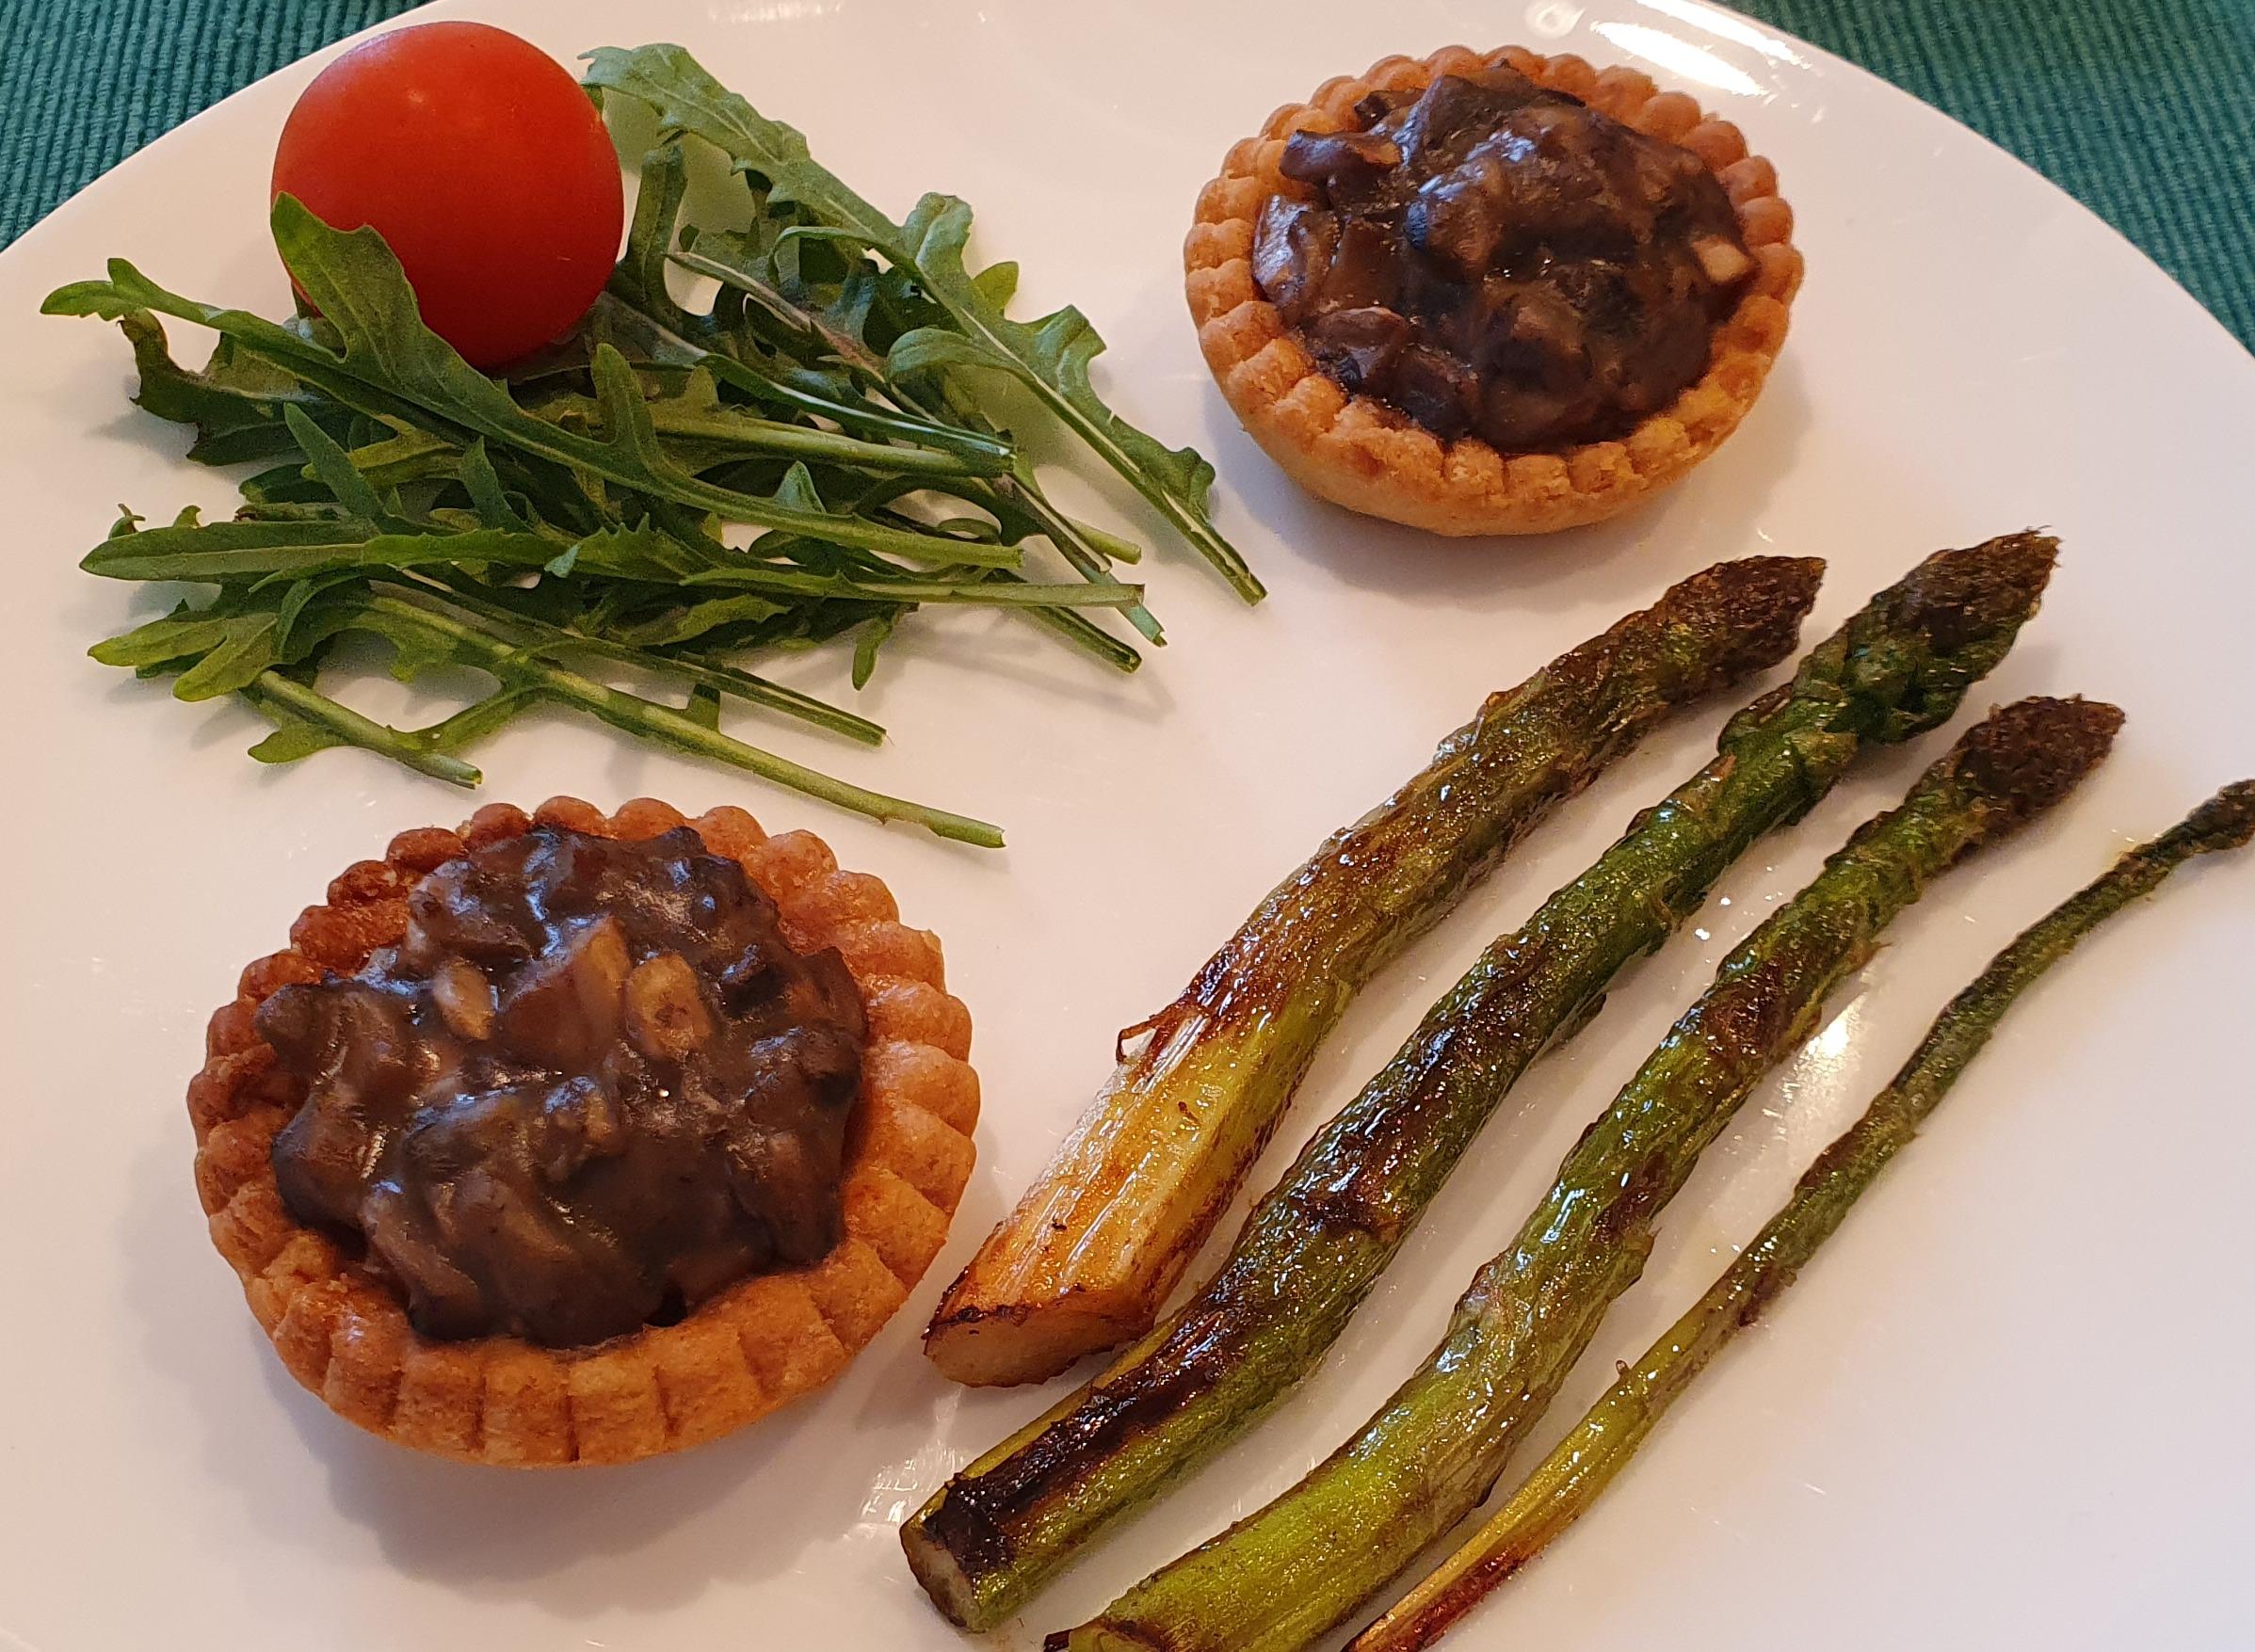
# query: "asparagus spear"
1003, 1525
1278, 1579
1585, 1462
1093, 1248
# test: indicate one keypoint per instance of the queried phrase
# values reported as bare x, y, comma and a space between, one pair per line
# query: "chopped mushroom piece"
566, 1005
464, 996
666, 1014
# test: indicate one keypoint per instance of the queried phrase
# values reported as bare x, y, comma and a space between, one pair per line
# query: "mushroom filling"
1498, 260
592, 1087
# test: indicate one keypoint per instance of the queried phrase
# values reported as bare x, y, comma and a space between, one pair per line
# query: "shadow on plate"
1703, 519
575, 1543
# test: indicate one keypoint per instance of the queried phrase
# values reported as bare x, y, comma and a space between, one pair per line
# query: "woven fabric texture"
2140, 108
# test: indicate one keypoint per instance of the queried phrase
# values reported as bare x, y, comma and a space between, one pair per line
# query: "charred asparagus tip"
1956, 596
2033, 752
2227, 820
1759, 600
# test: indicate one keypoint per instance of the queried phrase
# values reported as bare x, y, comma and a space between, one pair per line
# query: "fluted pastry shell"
763, 1342
1356, 451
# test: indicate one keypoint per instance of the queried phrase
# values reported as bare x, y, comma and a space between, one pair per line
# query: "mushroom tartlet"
576, 1139
1491, 293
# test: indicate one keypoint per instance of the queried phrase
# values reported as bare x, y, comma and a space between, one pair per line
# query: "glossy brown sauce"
592, 1087
1499, 260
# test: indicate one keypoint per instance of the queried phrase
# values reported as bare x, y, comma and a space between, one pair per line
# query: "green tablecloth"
2144, 108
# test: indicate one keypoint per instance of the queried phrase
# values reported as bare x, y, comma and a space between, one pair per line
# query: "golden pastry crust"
757, 1345
1356, 451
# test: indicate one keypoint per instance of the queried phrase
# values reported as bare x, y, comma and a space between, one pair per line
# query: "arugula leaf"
307, 721
235, 408
536, 631
836, 327
182, 634
486, 495
414, 456
281, 489
873, 636
223, 645
662, 187
742, 264
476, 720
223, 550
517, 668
396, 370
127, 290
578, 512
332, 467
703, 706
218, 552
692, 417
247, 650
294, 736
687, 624
638, 316
1050, 355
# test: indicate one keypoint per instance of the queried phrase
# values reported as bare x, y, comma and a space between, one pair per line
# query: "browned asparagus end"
1010, 1342
942, 1577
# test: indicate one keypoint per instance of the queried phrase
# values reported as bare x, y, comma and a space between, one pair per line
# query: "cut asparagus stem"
1568, 1481
1279, 1578
1091, 1250
1011, 1519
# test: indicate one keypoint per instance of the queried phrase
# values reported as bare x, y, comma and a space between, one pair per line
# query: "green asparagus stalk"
1011, 1519
1093, 1248
1568, 1481
1280, 1578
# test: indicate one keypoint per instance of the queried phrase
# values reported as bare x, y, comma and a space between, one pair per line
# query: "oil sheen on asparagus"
1313, 1246
1568, 1481
1093, 1248
1279, 1578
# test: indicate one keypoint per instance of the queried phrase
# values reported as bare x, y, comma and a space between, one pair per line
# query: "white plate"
2003, 1411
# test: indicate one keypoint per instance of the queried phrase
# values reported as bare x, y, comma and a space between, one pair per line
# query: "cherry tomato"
482, 163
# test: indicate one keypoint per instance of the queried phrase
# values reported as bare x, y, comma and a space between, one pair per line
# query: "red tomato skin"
483, 163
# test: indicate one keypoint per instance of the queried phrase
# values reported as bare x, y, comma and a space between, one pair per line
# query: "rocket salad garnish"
589, 514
